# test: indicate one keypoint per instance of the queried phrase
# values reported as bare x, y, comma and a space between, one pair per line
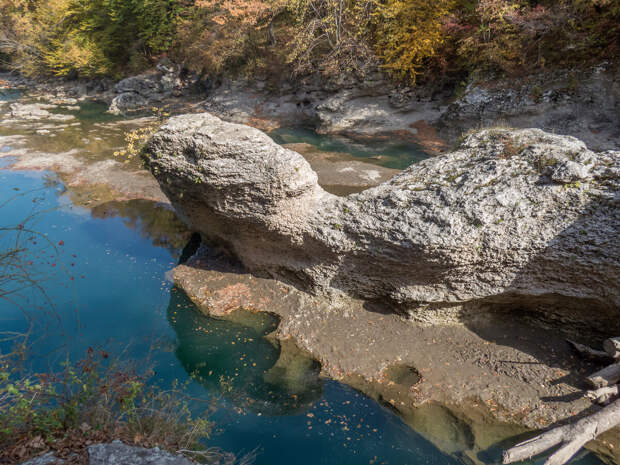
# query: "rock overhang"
519, 216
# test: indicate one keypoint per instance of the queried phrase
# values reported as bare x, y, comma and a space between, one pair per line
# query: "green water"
106, 283
389, 152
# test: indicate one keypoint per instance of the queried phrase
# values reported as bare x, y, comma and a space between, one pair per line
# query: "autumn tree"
223, 35
410, 32
331, 35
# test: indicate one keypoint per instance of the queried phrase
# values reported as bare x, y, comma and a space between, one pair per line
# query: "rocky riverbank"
581, 103
431, 292
584, 103
117, 453
454, 282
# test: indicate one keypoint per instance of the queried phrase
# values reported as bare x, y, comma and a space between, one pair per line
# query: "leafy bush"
95, 399
87, 37
410, 33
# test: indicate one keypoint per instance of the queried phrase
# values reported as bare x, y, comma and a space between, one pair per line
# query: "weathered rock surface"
584, 104
511, 219
368, 107
45, 459
117, 453
581, 103
151, 88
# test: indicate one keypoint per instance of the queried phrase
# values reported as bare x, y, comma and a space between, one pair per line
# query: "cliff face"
511, 218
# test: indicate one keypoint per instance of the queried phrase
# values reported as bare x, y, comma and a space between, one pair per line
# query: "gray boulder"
512, 219
117, 453
45, 459
143, 84
138, 92
127, 101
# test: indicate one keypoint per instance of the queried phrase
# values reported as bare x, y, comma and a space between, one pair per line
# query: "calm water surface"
388, 152
106, 272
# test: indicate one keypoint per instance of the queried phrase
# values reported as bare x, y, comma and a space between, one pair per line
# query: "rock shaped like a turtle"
510, 219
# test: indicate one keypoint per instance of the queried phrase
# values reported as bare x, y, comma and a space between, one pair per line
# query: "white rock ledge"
517, 219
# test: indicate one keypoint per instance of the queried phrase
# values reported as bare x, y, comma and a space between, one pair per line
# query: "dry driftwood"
612, 347
604, 395
586, 351
573, 437
608, 376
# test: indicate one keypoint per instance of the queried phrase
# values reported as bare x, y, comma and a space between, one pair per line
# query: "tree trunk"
572, 437
606, 377
612, 347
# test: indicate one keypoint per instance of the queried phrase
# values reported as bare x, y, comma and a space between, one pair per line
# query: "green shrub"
94, 399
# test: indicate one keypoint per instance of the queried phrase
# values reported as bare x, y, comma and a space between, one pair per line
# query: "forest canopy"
410, 39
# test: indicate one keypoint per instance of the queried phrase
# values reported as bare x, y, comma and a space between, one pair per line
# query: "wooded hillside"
411, 39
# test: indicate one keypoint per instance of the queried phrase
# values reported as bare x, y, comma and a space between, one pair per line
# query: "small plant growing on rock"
136, 139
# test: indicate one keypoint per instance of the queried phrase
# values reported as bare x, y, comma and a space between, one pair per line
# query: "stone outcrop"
117, 453
147, 89
585, 104
374, 105
581, 103
511, 219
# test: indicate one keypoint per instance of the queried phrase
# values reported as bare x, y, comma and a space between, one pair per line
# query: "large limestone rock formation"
510, 219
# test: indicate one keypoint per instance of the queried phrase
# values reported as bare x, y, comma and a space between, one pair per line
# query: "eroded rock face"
585, 104
517, 218
150, 88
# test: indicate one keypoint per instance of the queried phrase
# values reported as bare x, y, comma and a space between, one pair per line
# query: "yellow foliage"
409, 33
74, 53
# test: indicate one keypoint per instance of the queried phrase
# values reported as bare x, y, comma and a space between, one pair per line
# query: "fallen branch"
588, 351
606, 377
612, 347
604, 395
572, 437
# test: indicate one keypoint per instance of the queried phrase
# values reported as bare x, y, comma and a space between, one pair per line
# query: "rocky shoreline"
429, 354
582, 103
451, 274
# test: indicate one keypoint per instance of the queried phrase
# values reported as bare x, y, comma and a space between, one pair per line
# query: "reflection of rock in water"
152, 220
237, 357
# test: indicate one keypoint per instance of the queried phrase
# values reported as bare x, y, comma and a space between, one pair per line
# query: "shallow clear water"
9, 94
108, 283
104, 272
388, 152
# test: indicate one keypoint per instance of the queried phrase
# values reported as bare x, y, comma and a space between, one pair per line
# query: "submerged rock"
511, 219
36, 111
339, 173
